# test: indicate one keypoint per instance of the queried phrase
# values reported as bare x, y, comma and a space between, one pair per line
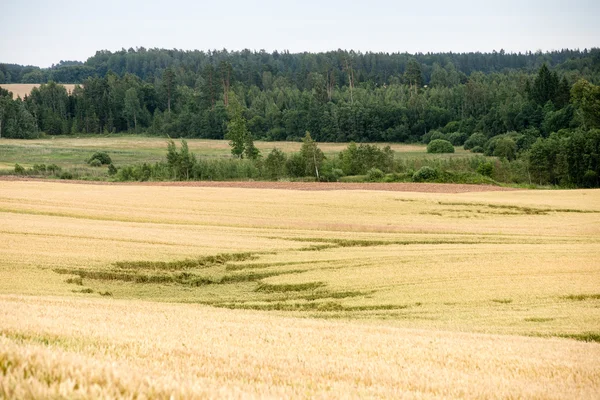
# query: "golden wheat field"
201, 292
23, 89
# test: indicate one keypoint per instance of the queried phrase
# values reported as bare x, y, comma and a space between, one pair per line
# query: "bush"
39, 168
457, 138
66, 175
425, 174
333, 175
433, 135
53, 169
477, 149
439, 146
486, 169
95, 163
19, 170
475, 140
101, 156
375, 175
112, 170
274, 164
505, 148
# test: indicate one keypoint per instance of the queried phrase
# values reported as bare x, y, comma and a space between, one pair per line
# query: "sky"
40, 32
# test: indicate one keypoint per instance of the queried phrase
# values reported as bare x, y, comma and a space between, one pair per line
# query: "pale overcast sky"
39, 32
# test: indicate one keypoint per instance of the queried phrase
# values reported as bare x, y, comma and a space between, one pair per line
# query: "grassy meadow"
72, 152
237, 292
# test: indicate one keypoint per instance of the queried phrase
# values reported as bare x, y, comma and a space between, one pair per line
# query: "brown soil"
392, 187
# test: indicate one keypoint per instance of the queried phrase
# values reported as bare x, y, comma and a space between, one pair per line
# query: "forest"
542, 109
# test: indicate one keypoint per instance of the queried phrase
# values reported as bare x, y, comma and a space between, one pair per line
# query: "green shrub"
375, 175
332, 176
425, 174
39, 168
432, 135
19, 170
66, 175
95, 163
502, 147
486, 169
274, 164
53, 169
475, 140
438, 146
101, 156
477, 149
112, 170
457, 138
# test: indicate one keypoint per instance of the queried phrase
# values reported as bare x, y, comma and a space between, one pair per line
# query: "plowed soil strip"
391, 187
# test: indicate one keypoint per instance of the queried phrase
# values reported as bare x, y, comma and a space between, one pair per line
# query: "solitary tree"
313, 156
240, 138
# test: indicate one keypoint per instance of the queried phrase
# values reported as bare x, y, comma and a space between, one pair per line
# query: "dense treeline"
248, 66
496, 103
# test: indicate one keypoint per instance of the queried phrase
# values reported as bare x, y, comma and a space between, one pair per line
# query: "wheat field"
191, 292
24, 89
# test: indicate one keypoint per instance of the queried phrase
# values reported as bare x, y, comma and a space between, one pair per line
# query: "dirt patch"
391, 187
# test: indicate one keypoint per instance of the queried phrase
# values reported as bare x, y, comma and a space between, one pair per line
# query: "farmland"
298, 293
23, 89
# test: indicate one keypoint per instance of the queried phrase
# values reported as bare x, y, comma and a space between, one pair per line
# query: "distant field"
397, 293
73, 151
23, 89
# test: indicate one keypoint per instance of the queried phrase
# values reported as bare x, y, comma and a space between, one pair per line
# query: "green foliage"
19, 170
112, 170
566, 158
181, 163
477, 139
356, 160
457, 138
101, 156
95, 163
39, 168
425, 174
240, 138
375, 175
586, 98
275, 164
440, 146
502, 146
486, 169
312, 155
53, 169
